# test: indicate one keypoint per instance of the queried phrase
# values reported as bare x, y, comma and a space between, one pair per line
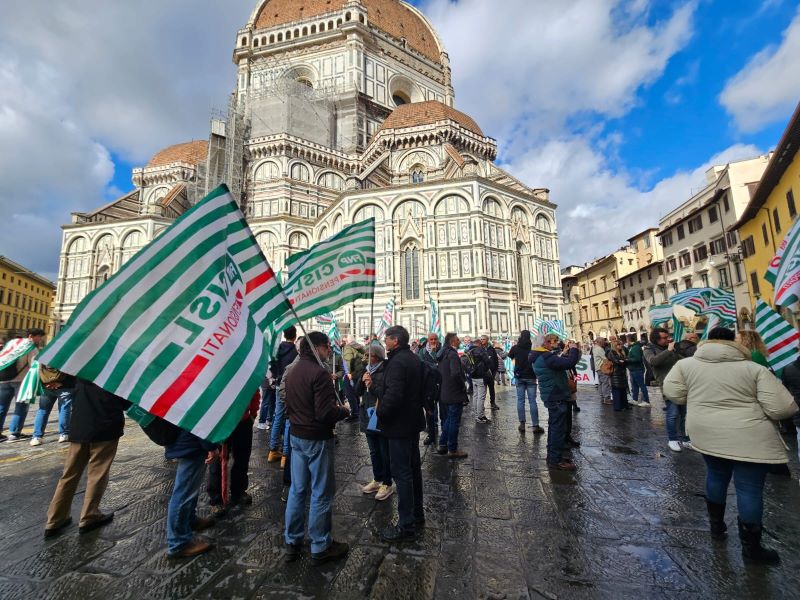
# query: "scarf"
372, 368
14, 350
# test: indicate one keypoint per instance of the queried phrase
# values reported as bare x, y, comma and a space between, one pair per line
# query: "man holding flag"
16, 359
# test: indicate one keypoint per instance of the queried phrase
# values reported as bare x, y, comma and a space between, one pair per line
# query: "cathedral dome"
188, 152
428, 113
398, 19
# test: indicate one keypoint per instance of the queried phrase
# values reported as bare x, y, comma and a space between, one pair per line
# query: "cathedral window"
452, 205
313, 29
367, 212
267, 171
321, 27
297, 242
131, 245
300, 172
543, 224
272, 39
255, 42
410, 272
399, 98
348, 17
305, 30
280, 37
331, 180
491, 207
417, 174
244, 41
296, 33
523, 271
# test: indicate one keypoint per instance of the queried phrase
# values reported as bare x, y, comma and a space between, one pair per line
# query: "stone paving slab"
629, 524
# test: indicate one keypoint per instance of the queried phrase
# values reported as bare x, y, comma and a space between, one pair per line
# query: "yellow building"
771, 211
26, 299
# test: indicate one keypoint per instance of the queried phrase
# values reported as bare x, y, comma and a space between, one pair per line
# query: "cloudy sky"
617, 106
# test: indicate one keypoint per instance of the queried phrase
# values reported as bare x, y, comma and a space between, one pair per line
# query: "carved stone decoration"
466, 263
443, 266
519, 230
454, 270
442, 235
453, 234
381, 272
464, 232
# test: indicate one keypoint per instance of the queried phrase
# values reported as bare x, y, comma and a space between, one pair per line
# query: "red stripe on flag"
790, 340
259, 280
179, 386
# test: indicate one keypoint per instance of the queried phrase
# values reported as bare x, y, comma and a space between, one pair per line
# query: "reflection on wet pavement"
630, 523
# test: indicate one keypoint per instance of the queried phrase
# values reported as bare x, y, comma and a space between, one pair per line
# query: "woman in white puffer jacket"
733, 405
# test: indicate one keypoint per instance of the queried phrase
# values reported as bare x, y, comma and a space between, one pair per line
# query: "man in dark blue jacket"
192, 454
400, 418
551, 373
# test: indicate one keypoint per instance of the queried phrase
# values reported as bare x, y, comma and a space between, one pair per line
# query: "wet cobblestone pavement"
629, 524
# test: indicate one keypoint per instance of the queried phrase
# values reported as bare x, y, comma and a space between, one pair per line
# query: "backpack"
476, 366
9, 372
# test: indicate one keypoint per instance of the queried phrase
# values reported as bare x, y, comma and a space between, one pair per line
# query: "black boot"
716, 518
752, 550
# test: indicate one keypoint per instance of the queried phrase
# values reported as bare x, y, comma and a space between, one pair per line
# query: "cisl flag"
179, 329
784, 270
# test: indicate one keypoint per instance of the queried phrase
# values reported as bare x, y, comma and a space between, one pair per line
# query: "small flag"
677, 329
713, 321
784, 270
31, 387
179, 329
387, 320
436, 323
779, 336
659, 314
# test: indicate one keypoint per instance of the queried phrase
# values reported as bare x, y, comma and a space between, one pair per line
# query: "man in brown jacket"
313, 411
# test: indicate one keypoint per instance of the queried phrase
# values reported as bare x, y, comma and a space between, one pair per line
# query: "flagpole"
305, 333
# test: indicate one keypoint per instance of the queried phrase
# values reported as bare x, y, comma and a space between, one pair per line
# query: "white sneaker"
36, 441
63, 438
13, 437
372, 487
675, 446
262, 426
644, 404
384, 492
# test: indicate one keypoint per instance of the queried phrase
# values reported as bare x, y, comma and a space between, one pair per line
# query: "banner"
659, 314
178, 330
779, 336
335, 272
14, 350
784, 270
387, 319
677, 329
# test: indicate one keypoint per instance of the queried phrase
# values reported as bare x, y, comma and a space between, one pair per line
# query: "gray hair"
376, 349
538, 340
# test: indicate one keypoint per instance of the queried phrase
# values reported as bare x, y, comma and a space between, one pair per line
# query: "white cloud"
769, 84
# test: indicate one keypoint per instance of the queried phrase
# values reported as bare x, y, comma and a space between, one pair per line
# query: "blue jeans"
637, 383
527, 386
8, 392
46, 402
556, 430
450, 426
748, 479
676, 422
18, 418
379, 457
280, 425
267, 409
182, 508
407, 473
312, 472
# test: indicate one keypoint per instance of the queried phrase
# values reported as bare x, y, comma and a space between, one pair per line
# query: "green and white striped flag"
14, 350
713, 321
784, 270
178, 330
779, 336
31, 387
335, 272
387, 320
659, 314
677, 329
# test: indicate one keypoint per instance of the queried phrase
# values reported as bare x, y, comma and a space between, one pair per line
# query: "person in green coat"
635, 365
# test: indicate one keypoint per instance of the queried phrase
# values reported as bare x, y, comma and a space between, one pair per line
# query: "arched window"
518, 214
267, 171
264, 41
300, 172
298, 241
280, 37
523, 272
400, 98
76, 257
244, 41
330, 25
409, 258
255, 42
417, 173
272, 38
543, 224
348, 16
452, 205
131, 244
331, 180
365, 212
322, 27
268, 242
102, 275
289, 35
492, 208
305, 30
323, 233
313, 29
411, 208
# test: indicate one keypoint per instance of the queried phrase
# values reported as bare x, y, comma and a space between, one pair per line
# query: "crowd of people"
720, 397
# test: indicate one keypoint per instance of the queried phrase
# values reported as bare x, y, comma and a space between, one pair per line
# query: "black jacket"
368, 396
287, 352
619, 378
490, 350
97, 415
311, 405
188, 445
400, 412
454, 389
522, 366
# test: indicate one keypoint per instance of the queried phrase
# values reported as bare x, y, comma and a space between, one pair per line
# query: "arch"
348, 16
157, 194
492, 207
361, 18
338, 22
268, 242
369, 210
405, 89
417, 173
272, 38
131, 244
298, 241
280, 37
337, 224
255, 42
267, 171
451, 205
330, 25
323, 233
244, 41
300, 172
521, 213
264, 40
331, 180
104, 240
305, 31
288, 35
543, 223
77, 244
322, 27
313, 29
296, 33
410, 271
415, 207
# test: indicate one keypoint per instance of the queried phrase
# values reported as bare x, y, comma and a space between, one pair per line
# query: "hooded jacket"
551, 373
732, 403
287, 352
